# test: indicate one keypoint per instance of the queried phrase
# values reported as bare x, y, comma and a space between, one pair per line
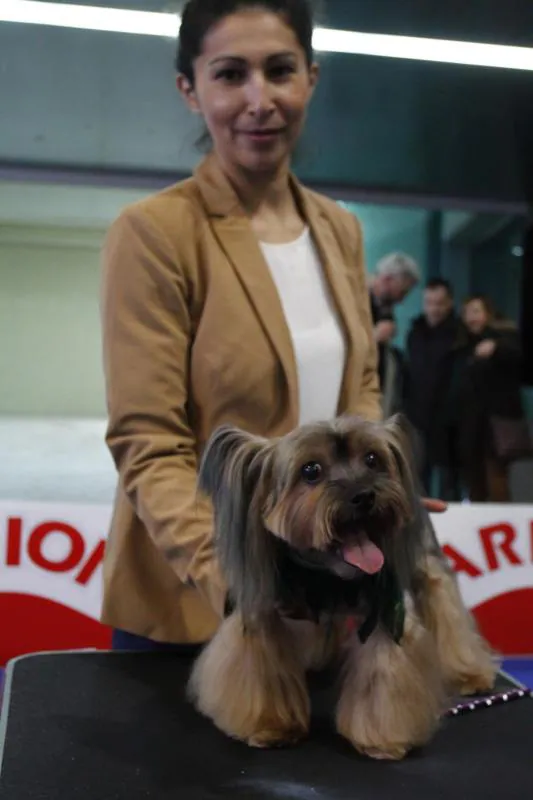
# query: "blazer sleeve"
369, 402
147, 331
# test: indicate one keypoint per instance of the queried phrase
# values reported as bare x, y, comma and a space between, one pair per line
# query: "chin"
267, 164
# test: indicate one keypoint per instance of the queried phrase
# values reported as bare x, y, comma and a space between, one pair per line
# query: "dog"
331, 561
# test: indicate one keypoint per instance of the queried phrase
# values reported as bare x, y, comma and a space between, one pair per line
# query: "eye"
230, 75
280, 72
311, 472
371, 460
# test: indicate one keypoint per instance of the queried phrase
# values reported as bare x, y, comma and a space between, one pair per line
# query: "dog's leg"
466, 661
252, 684
392, 695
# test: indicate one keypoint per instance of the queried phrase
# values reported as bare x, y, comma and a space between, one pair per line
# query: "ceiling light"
325, 39
95, 18
411, 47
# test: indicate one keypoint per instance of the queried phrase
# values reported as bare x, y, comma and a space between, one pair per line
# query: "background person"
434, 344
493, 428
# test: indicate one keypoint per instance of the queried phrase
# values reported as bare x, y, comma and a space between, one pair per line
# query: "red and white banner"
51, 577
490, 548
51, 573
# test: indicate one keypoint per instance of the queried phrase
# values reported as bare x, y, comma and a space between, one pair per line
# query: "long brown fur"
253, 684
466, 664
251, 678
392, 696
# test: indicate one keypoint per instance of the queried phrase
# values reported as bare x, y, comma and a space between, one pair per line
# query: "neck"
268, 192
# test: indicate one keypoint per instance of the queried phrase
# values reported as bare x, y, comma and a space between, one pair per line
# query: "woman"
491, 402
236, 296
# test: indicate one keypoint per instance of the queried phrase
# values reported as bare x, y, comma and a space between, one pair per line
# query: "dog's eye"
311, 472
371, 460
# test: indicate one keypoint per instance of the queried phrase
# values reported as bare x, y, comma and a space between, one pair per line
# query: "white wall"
50, 356
50, 362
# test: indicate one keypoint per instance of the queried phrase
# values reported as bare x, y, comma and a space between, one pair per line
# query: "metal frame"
77, 175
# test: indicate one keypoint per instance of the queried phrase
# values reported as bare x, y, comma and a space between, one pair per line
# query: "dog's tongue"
363, 553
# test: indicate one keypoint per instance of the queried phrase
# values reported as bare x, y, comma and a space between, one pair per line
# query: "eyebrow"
241, 60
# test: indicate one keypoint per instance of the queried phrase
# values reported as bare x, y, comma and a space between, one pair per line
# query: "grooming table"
116, 726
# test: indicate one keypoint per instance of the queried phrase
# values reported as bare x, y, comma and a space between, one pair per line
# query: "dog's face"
339, 492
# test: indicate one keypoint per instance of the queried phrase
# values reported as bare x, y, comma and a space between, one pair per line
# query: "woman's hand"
486, 348
434, 506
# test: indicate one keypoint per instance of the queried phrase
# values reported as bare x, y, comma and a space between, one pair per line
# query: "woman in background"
493, 431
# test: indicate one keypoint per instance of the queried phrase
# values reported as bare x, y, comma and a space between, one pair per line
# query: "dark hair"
440, 283
199, 16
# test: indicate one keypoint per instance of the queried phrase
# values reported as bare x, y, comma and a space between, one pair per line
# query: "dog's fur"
286, 513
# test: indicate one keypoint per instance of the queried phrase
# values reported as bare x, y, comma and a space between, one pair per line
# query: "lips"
263, 135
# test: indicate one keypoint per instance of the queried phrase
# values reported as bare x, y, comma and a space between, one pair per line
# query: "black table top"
116, 726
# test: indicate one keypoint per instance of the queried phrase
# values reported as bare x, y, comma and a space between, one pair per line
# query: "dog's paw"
276, 738
379, 745
477, 683
477, 676
388, 753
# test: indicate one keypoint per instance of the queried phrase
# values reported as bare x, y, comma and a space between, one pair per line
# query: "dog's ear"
236, 473
407, 547
218, 451
401, 439
419, 539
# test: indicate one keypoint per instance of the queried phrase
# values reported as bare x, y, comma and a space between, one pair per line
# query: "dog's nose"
364, 500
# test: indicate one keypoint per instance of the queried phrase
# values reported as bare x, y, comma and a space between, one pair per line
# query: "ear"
236, 473
186, 89
400, 437
408, 544
314, 74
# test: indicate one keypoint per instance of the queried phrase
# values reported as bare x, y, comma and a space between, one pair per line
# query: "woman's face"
252, 87
475, 316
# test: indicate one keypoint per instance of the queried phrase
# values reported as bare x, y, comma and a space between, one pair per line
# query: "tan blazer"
194, 336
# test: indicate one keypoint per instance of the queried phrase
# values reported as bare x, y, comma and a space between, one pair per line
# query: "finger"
434, 506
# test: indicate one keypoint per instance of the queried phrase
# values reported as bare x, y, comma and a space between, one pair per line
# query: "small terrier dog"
331, 560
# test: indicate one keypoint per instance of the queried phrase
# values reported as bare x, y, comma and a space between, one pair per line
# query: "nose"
364, 501
259, 97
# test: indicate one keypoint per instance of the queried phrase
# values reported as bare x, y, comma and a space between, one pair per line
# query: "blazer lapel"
240, 245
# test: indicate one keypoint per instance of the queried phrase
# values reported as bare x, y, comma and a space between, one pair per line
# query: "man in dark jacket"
395, 276
433, 344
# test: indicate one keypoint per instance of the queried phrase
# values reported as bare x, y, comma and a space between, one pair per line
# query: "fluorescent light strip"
94, 18
410, 47
151, 23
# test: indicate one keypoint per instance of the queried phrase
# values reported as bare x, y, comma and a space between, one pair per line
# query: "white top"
317, 338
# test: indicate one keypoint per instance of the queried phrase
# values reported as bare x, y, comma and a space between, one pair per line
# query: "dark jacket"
432, 381
380, 312
489, 387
